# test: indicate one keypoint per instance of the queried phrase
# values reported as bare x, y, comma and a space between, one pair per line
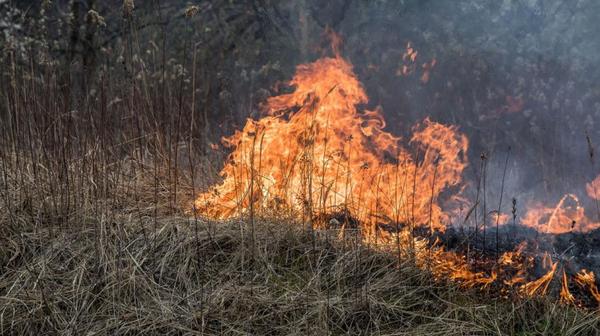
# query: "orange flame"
593, 188
500, 218
314, 151
540, 286
588, 279
565, 293
567, 216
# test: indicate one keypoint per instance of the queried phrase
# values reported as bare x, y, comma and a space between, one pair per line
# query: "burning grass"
130, 264
316, 153
324, 222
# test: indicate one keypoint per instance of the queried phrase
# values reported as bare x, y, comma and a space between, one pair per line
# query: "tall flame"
316, 152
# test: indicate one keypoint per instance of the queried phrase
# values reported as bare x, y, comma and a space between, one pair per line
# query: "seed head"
95, 18
191, 11
128, 7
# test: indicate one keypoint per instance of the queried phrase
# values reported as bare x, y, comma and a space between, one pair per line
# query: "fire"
565, 293
540, 286
588, 280
500, 218
316, 152
451, 265
567, 216
512, 257
593, 188
513, 266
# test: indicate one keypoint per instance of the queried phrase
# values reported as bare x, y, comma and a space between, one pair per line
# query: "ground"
180, 275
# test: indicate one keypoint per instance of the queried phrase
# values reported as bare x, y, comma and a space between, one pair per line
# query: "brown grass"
96, 183
113, 274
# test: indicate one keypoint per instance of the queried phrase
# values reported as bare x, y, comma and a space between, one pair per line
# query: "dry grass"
114, 275
95, 240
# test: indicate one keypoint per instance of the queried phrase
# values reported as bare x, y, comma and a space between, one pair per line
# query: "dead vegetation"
98, 173
133, 269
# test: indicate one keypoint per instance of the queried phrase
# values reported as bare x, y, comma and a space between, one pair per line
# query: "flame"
567, 216
314, 151
512, 257
565, 293
587, 279
593, 188
540, 286
500, 218
451, 265
513, 266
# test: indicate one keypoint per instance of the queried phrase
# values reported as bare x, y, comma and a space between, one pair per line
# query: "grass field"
101, 160
127, 271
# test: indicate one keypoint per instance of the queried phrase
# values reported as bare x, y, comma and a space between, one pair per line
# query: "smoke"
509, 74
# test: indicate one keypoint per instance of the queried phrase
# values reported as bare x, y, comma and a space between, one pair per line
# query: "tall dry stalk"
593, 164
500, 203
